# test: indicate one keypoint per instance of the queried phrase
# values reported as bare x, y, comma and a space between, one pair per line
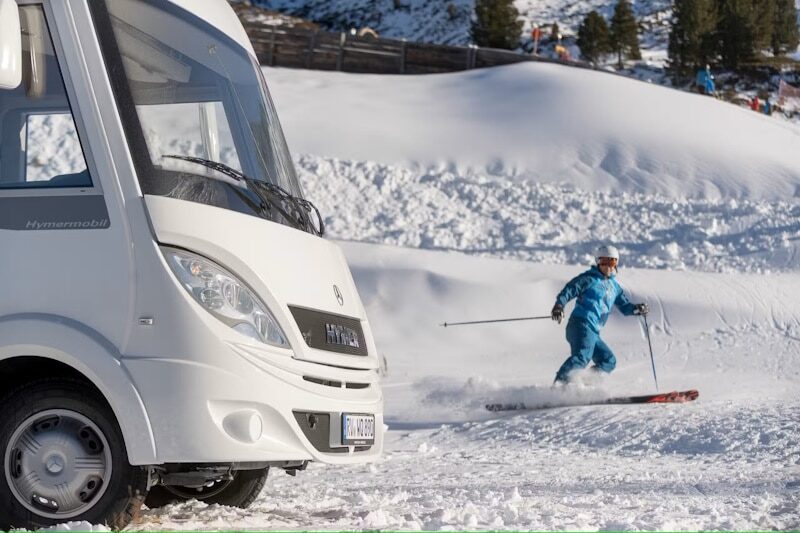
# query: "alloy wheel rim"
58, 463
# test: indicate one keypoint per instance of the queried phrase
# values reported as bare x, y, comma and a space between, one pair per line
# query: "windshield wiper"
297, 211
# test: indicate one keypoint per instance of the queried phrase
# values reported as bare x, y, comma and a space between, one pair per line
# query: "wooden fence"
321, 50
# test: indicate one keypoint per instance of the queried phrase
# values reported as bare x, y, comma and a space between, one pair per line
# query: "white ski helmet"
606, 250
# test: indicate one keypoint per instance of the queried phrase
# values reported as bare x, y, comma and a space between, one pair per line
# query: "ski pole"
652, 360
446, 324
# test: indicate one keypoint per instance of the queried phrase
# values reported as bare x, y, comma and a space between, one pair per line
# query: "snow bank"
543, 123
548, 223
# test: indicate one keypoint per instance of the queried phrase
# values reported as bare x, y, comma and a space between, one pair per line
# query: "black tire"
123, 490
241, 491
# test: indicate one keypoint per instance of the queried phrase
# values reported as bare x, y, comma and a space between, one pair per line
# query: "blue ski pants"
585, 345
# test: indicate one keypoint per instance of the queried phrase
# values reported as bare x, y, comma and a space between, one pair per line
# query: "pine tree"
763, 13
496, 24
624, 32
784, 31
593, 37
692, 36
736, 30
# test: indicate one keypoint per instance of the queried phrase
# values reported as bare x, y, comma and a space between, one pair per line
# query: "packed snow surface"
493, 187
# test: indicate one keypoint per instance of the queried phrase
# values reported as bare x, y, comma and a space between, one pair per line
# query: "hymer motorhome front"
171, 318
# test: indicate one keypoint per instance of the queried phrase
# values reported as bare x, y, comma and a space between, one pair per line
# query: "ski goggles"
610, 261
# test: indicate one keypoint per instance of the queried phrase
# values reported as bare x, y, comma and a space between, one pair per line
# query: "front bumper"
252, 409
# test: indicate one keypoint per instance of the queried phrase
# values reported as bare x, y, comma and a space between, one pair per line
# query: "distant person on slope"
702, 79
596, 291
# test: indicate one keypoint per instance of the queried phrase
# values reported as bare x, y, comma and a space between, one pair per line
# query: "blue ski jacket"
596, 294
702, 77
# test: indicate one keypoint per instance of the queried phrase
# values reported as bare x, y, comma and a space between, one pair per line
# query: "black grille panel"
336, 384
318, 433
327, 331
325, 382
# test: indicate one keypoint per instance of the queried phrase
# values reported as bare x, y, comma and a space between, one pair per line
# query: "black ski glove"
557, 313
640, 309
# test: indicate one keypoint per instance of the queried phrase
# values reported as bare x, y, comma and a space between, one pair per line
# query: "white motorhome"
171, 319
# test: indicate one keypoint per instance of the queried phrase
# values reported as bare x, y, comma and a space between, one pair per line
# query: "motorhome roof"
219, 14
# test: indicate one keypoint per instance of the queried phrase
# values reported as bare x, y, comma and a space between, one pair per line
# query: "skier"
701, 80
596, 291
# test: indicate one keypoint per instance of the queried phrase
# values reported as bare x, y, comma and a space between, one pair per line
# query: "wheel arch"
42, 346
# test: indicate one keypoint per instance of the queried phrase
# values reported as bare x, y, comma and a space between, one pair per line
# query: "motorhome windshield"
186, 89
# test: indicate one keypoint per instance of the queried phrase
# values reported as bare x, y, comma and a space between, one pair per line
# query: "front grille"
330, 332
325, 382
336, 384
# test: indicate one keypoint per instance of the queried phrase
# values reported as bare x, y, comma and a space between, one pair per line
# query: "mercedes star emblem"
338, 295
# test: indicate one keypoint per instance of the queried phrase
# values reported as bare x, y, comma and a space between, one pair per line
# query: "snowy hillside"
540, 162
417, 162
448, 22
545, 123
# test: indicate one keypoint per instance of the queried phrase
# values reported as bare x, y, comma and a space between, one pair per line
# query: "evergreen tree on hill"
692, 36
737, 32
593, 37
785, 35
624, 32
496, 24
763, 13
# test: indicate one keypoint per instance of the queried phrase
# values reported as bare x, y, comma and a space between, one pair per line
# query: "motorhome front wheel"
64, 459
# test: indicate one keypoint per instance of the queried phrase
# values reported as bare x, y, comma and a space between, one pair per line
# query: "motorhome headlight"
223, 295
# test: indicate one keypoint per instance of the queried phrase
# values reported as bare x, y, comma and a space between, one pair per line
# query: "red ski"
668, 397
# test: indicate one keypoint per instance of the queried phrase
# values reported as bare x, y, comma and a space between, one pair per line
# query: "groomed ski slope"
720, 322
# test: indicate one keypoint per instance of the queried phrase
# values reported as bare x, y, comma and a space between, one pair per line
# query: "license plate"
358, 430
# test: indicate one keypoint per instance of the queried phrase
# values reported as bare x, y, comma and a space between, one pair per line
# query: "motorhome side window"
40, 147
